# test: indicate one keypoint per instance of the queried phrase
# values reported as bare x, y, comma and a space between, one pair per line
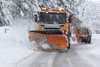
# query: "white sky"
95, 0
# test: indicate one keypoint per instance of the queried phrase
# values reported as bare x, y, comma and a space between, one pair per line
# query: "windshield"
82, 31
52, 18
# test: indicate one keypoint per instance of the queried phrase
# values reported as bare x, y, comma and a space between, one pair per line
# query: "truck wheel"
89, 40
68, 46
30, 39
68, 43
86, 40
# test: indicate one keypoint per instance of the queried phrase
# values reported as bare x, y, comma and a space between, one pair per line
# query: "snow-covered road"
80, 55
17, 51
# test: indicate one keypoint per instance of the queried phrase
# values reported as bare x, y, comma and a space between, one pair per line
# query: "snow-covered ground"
15, 46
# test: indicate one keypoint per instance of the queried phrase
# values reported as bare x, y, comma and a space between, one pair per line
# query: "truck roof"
52, 11
58, 10
81, 27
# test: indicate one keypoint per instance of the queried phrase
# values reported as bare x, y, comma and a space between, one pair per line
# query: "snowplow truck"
53, 29
83, 34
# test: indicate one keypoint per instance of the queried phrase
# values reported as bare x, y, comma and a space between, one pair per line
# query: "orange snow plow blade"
55, 39
58, 41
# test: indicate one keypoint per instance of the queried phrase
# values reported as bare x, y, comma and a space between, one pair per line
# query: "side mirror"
70, 18
70, 15
36, 18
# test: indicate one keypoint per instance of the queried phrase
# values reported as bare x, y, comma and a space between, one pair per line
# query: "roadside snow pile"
93, 48
14, 44
96, 47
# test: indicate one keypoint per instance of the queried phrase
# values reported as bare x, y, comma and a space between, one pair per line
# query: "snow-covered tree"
89, 14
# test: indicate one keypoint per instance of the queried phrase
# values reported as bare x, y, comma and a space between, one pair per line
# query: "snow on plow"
53, 39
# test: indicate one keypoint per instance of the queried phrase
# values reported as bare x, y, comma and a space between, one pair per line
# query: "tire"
30, 39
68, 46
68, 43
86, 40
89, 40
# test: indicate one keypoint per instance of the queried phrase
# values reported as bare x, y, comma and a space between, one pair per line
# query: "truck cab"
53, 19
52, 28
83, 34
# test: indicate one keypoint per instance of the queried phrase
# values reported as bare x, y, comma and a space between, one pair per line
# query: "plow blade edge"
55, 39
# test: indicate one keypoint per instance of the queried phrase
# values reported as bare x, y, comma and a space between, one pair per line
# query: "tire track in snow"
78, 60
92, 59
62, 60
72, 58
44, 60
27, 61
86, 53
51, 59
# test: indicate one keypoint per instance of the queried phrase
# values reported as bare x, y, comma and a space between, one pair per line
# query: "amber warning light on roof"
57, 9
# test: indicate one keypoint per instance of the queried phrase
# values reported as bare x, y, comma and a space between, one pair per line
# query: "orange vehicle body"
55, 41
53, 35
84, 36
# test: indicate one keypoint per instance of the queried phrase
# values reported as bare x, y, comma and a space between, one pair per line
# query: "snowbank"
14, 44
